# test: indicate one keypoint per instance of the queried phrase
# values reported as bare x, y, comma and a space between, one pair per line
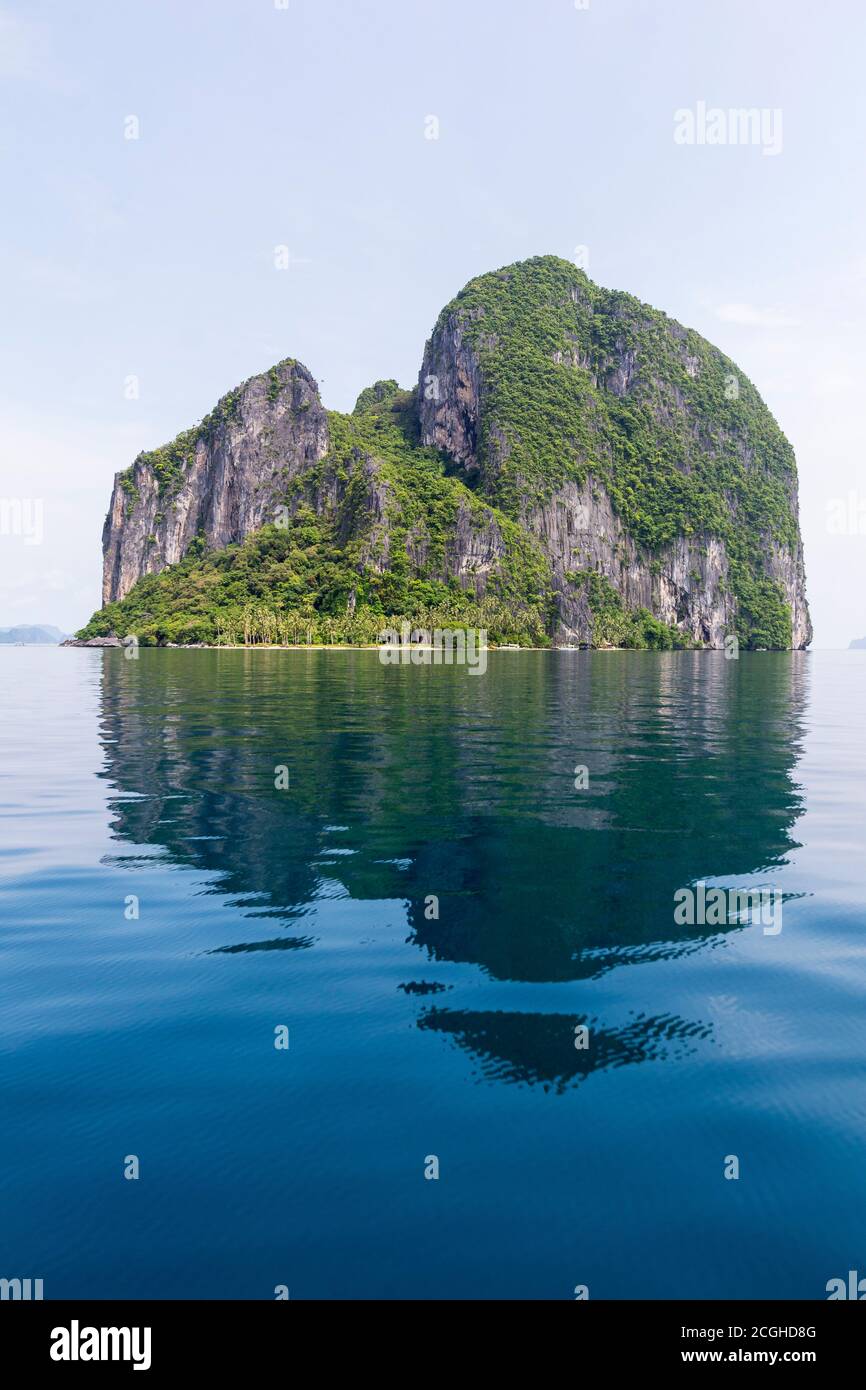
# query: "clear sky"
305, 125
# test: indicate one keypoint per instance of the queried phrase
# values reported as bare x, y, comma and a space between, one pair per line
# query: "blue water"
411, 1035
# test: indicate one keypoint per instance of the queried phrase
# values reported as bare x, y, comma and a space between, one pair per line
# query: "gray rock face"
789, 570
684, 585
221, 481
449, 396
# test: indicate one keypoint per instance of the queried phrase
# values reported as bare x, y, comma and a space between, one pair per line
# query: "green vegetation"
377, 394
132, 493
763, 616
424, 506
293, 585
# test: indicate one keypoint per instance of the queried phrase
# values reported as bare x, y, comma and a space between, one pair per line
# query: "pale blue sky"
305, 127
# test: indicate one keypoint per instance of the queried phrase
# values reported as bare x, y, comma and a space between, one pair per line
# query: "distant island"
573, 468
31, 636
858, 644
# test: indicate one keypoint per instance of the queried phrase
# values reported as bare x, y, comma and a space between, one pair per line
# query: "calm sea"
437, 910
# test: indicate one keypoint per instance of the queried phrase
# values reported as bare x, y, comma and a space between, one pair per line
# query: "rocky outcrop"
787, 567
220, 482
581, 436
449, 395
685, 586
602, 368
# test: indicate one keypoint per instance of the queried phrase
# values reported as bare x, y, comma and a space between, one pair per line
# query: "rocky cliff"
573, 467
218, 482
632, 449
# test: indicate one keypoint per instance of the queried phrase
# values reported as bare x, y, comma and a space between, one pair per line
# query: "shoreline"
99, 645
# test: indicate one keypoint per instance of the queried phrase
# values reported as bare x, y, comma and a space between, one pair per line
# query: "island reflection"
410, 784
